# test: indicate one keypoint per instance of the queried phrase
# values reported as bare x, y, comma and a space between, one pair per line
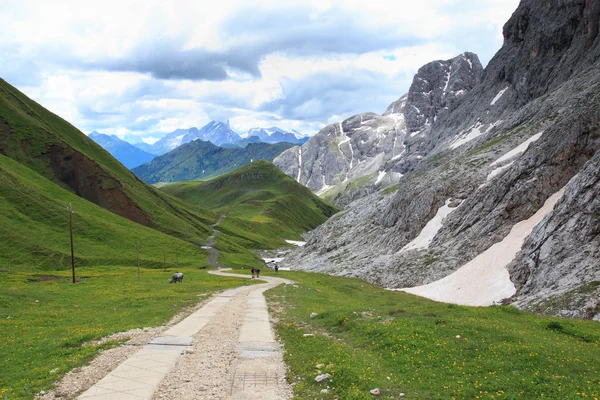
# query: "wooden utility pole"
137, 252
70, 208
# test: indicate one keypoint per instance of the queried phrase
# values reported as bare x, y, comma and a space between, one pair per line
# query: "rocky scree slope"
499, 152
349, 159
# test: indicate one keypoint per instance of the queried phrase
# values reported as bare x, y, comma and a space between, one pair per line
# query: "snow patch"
299, 164
430, 229
397, 156
325, 187
485, 280
520, 149
296, 242
500, 93
447, 79
498, 171
474, 132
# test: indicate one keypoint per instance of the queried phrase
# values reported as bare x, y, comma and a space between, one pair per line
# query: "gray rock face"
340, 152
437, 86
468, 155
558, 269
350, 159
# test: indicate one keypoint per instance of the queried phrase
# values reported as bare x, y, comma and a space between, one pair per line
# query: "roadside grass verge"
45, 319
367, 338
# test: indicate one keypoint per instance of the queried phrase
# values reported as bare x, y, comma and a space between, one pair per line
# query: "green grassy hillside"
44, 318
202, 160
35, 229
259, 200
50, 146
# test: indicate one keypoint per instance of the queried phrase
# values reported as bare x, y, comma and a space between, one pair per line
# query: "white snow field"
484, 280
423, 240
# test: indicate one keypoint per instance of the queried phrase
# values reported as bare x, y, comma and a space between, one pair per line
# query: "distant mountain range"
275, 135
128, 154
221, 134
200, 159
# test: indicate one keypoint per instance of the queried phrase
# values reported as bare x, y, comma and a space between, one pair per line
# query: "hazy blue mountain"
128, 154
148, 148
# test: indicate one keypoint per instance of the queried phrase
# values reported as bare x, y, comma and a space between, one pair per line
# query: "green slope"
35, 229
202, 160
259, 200
55, 149
367, 337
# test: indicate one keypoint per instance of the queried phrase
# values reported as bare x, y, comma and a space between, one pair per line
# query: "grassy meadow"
45, 319
367, 338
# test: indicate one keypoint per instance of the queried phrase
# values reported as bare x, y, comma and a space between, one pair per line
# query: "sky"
141, 69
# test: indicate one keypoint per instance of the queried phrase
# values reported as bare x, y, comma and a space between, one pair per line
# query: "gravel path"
222, 365
234, 356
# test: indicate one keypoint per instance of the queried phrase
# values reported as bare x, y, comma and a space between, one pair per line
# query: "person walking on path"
276, 268
253, 271
258, 272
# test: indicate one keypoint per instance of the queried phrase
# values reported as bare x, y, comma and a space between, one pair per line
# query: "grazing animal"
177, 277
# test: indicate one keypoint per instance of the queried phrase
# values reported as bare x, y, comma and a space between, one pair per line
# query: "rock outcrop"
493, 157
350, 159
558, 270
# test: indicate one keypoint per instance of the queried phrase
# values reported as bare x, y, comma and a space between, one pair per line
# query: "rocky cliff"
347, 160
476, 165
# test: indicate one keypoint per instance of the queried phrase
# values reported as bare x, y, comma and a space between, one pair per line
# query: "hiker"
276, 268
177, 277
253, 271
257, 272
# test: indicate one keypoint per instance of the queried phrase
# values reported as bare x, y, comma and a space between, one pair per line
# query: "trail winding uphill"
224, 350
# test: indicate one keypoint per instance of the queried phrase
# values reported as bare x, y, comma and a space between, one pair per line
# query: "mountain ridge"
349, 159
202, 160
519, 136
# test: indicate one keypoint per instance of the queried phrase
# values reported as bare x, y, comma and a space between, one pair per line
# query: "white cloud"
96, 63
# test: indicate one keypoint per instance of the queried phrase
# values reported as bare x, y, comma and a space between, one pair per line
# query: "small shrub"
555, 326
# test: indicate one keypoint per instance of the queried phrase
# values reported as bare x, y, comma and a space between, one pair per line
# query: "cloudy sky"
141, 69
